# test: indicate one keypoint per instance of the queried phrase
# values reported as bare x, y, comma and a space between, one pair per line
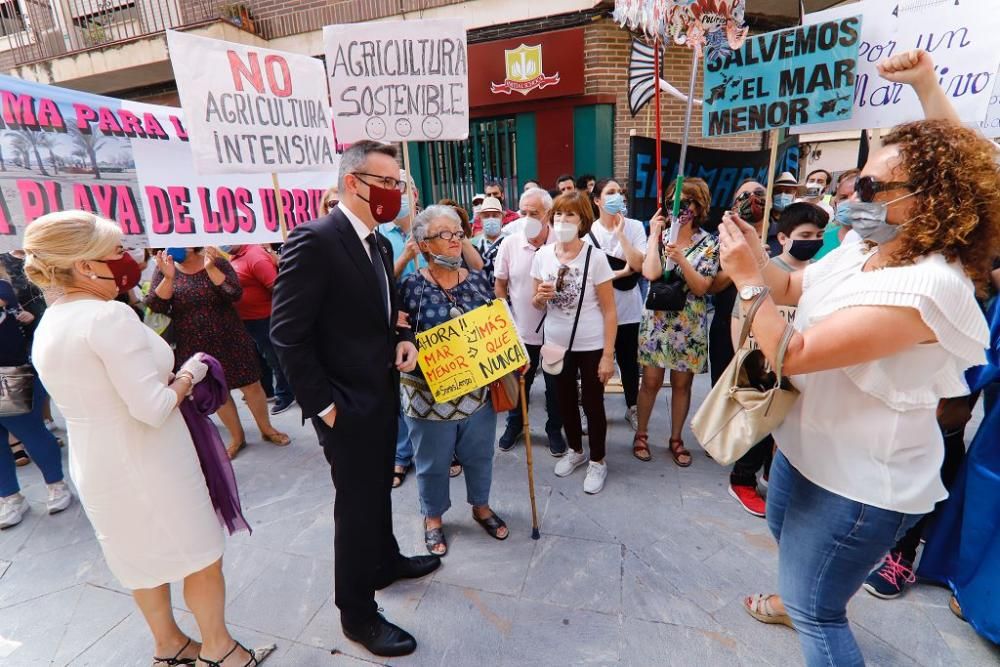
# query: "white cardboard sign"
960, 35
399, 80
252, 110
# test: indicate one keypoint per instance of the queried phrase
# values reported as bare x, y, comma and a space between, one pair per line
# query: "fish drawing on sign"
830, 106
719, 92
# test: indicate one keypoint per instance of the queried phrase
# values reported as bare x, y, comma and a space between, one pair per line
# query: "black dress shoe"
382, 638
408, 568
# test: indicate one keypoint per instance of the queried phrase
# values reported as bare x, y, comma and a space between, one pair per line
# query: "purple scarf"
209, 395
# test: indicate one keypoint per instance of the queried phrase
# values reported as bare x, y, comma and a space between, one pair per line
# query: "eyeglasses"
867, 187
687, 203
561, 277
387, 182
447, 236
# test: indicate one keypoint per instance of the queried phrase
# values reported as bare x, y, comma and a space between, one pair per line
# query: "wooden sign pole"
280, 205
770, 184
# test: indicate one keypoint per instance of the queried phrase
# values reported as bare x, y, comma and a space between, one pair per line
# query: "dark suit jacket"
329, 326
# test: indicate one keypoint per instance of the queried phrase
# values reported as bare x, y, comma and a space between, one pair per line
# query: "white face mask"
566, 232
475, 210
532, 227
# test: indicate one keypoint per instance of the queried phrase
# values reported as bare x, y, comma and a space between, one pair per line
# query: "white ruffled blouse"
869, 432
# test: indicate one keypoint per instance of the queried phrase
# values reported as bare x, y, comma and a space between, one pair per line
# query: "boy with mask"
800, 233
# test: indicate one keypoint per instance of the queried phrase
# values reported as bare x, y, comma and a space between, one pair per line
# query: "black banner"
722, 170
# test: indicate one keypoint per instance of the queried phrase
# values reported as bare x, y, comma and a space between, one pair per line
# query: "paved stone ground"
649, 572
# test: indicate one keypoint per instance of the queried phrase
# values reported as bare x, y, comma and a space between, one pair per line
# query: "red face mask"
384, 203
124, 270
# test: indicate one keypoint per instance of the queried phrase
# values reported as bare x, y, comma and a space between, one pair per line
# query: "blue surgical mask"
491, 226
179, 254
868, 219
447, 261
404, 208
782, 201
843, 214
614, 204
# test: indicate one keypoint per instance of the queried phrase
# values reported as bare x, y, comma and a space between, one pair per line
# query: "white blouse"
869, 432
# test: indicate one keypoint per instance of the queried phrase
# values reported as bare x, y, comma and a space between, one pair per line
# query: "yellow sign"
470, 351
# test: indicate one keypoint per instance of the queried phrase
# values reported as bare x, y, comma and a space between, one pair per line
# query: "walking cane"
531, 469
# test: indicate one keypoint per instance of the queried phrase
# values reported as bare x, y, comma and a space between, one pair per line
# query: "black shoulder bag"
617, 264
670, 294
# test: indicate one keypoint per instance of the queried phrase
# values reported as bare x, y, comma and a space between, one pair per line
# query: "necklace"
455, 310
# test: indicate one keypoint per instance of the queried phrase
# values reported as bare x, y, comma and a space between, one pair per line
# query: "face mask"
843, 214
686, 216
404, 208
750, 207
124, 271
228, 249
615, 204
447, 261
803, 250
491, 226
532, 227
782, 201
179, 254
566, 232
476, 210
383, 203
814, 189
868, 219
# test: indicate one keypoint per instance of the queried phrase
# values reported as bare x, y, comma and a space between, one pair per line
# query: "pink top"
513, 264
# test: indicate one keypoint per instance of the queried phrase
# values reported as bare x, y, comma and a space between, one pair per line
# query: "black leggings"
627, 356
584, 365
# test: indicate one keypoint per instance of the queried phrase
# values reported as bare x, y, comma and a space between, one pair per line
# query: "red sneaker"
748, 497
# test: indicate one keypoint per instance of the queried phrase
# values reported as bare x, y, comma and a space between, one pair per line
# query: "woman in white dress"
131, 455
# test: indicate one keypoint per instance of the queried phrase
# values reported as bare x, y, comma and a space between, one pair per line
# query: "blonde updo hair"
54, 242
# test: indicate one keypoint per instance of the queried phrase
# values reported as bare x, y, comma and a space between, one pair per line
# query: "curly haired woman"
886, 329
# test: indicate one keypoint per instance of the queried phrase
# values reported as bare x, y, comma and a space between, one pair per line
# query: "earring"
93, 276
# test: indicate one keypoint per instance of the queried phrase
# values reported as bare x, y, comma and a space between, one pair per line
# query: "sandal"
276, 438
399, 477
434, 538
233, 450
455, 469
21, 457
759, 606
640, 447
176, 660
492, 525
257, 656
955, 607
682, 457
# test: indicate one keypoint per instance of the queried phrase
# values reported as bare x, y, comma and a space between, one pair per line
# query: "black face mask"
805, 250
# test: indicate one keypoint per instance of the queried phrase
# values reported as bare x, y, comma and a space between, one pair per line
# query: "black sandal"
492, 525
176, 660
399, 477
257, 656
21, 457
434, 537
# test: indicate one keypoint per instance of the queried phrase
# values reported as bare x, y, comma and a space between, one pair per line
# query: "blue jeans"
41, 445
827, 545
260, 331
437, 442
404, 448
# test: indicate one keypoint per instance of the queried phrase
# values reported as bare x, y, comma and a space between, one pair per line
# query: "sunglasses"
561, 277
866, 187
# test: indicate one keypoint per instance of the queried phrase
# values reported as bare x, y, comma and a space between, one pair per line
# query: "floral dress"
204, 319
678, 341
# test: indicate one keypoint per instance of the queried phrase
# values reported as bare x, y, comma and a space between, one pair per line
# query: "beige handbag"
748, 402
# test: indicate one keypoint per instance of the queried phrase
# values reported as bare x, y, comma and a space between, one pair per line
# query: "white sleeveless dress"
130, 453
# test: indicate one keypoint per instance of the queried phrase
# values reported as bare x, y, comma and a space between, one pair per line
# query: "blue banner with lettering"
722, 170
781, 79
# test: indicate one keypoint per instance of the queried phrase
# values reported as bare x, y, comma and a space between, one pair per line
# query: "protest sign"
399, 80
960, 36
130, 162
252, 110
723, 171
470, 351
783, 79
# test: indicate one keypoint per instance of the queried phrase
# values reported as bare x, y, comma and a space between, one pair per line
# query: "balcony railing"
37, 30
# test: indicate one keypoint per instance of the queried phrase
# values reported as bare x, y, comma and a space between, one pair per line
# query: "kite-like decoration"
710, 28
642, 75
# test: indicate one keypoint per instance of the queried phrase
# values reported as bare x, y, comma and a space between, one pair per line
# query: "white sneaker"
632, 417
60, 497
570, 462
12, 510
596, 474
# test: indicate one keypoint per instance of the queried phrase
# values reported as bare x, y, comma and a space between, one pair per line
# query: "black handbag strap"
579, 304
673, 271
594, 240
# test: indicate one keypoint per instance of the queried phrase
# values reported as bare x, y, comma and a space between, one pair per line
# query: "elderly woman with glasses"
466, 426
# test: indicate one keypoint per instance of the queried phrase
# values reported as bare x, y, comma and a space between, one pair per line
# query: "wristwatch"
751, 292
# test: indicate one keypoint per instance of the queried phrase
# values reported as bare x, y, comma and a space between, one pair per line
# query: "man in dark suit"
334, 327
